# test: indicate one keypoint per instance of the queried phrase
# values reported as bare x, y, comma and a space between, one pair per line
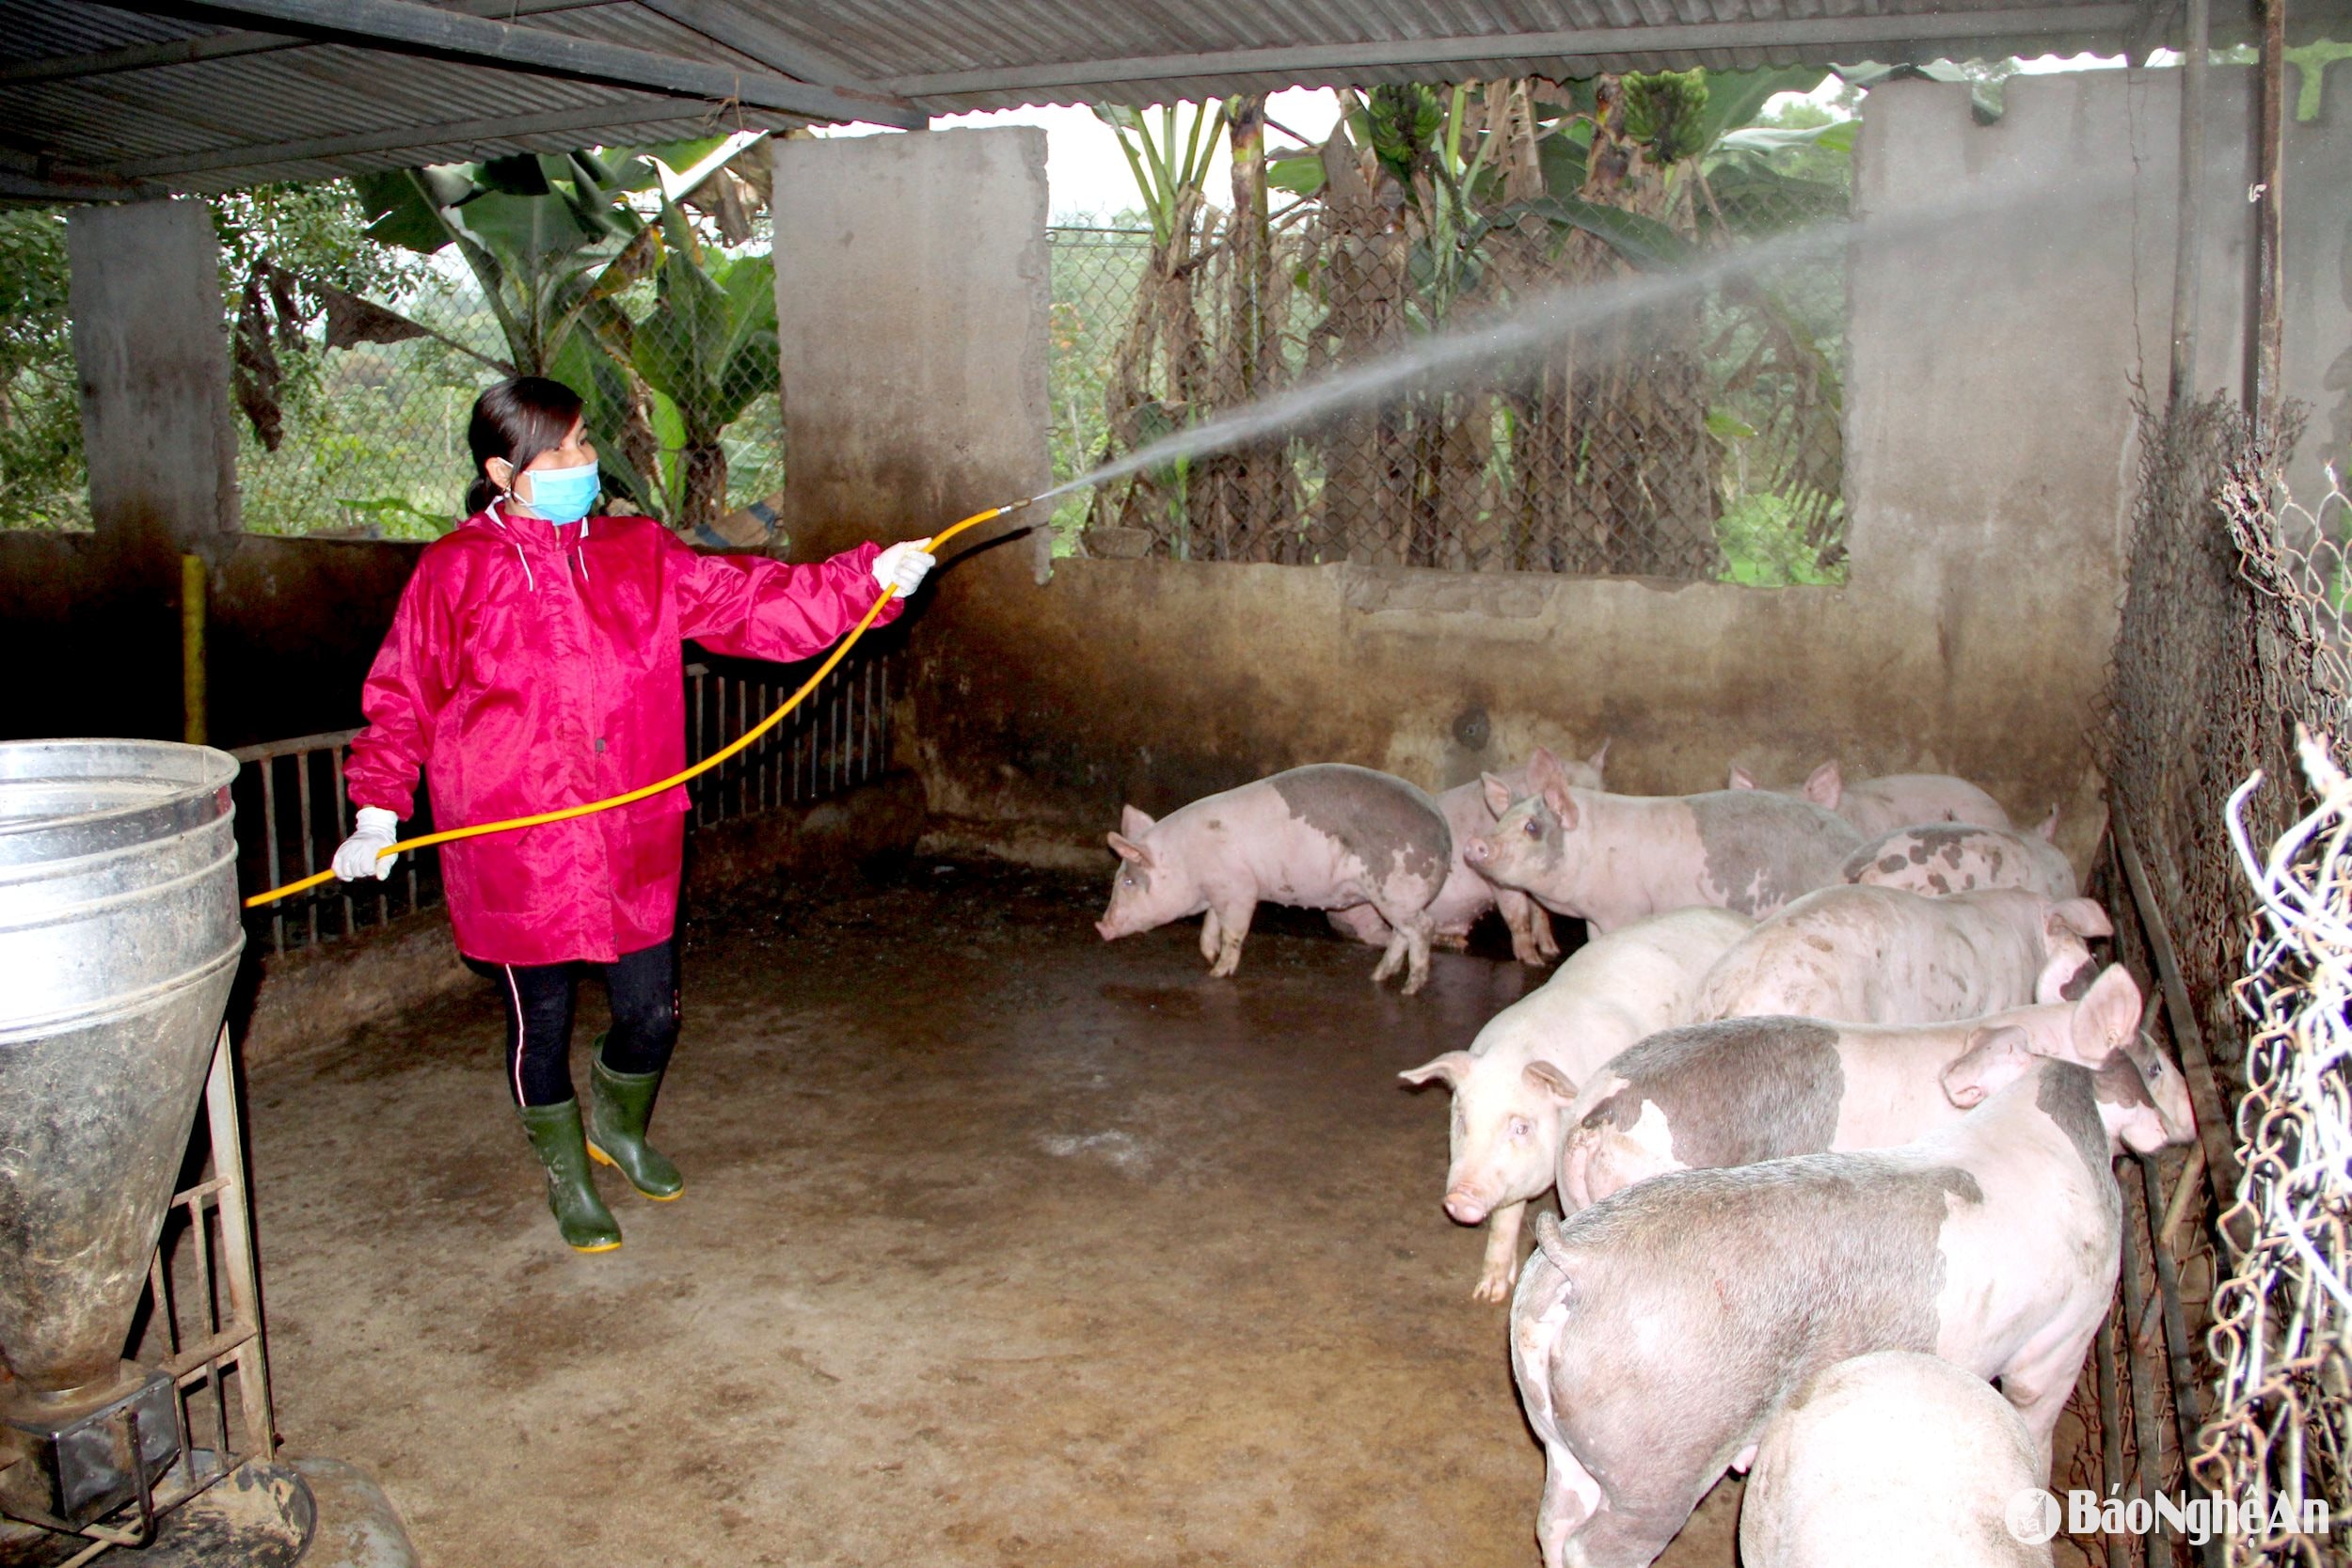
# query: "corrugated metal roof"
107, 99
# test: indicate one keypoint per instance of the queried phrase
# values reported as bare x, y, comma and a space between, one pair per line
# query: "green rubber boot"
620, 1106
579, 1213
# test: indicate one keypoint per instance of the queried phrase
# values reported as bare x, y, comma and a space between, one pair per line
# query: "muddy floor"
999, 1245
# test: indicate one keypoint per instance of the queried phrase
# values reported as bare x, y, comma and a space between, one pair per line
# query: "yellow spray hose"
930, 547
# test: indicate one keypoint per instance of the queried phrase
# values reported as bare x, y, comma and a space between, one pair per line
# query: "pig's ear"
1543, 1076
1128, 849
1496, 793
1134, 823
1741, 779
1599, 760
1826, 785
1450, 1067
2106, 1020
1996, 1055
1552, 783
2048, 827
2082, 916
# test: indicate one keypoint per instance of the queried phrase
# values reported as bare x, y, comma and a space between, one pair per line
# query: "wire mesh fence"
353, 412
2232, 641
363, 317
1696, 440
2282, 1438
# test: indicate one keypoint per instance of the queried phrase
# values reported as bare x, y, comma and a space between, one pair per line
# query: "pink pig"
1327, 837
1466, 895
1613, 859
1881, 805
1938, 858
1657, 1335
1741, 1090
1876, 955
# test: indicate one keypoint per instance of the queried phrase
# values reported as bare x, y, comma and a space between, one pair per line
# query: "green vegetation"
42, 482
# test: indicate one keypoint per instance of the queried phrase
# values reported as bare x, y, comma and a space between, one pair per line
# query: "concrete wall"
1990, 446
293, 625
911, 297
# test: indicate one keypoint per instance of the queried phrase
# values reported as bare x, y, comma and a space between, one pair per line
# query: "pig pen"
1000, 1245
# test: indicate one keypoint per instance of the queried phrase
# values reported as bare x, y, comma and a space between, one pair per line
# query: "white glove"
903, 567
356, 856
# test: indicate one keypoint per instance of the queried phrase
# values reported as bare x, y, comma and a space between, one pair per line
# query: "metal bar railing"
295, 804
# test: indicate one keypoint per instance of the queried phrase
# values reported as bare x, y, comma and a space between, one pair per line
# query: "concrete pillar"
149, 342
912, 294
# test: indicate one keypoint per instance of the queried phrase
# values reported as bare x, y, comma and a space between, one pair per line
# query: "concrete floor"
999, 1245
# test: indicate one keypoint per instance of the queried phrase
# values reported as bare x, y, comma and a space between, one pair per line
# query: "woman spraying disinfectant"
536, 662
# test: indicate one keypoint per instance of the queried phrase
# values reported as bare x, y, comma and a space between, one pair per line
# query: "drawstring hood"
571, 538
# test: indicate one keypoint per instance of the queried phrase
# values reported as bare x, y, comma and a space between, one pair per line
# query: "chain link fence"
353, 412
364, 317
2232, 642
1699, 439
2282, 1437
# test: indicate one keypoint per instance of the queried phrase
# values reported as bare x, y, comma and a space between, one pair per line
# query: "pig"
1655, 1334
1956, 857
1615, 859
1877, 955
1877, 806
1742, 1090
1505, 1138
1326, 837
1894, 1452
1468, 895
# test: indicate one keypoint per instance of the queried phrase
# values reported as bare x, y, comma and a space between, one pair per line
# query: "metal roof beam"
144, 57
610, 118
26, 177
228, 45
1581, 44
409, 27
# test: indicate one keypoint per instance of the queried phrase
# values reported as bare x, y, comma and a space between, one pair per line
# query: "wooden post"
2269, 224
2188, 254
192, 699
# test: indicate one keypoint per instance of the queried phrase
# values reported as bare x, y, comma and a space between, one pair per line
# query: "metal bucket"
118, 941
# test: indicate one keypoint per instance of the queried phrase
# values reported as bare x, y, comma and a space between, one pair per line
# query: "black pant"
539, 997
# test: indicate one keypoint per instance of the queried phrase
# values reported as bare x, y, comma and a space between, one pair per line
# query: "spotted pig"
1655, 1334
1328, 836
1613, 859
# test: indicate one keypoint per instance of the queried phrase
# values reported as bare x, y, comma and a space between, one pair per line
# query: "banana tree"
551, 243
1160, 373
706, 350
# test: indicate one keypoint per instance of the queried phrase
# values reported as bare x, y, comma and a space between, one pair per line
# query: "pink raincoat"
531, 667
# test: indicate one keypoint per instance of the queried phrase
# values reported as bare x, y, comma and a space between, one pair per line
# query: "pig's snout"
1107, 930
1478, 849
1466, 1208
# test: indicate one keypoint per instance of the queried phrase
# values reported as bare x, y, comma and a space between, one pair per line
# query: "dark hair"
521, 420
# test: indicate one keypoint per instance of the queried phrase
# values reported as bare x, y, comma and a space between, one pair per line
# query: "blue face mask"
562, 495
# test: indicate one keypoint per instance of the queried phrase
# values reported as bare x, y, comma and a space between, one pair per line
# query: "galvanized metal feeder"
119, 943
